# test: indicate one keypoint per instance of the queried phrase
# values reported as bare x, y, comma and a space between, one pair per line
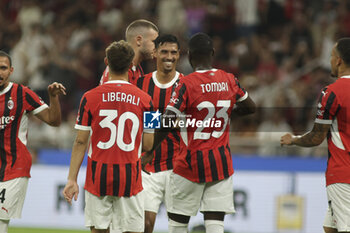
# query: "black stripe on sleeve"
151, 106
2, 139
103, 180
213, 168
89, 118
31, 101
176, 135
139, 83
188, 159
116, 179
169, 160
224, 161
81, 111
328, 106
137, 170
14, 126
127, 180
162, 103
151, 88
93, 170
181, 93
157, 158
200, 164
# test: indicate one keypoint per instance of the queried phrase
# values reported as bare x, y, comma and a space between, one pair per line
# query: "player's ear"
106, 61
138, 39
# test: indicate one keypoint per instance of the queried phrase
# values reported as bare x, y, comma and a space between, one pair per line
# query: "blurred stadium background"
278, 49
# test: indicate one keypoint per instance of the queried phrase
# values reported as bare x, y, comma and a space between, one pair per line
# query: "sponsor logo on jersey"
5, 120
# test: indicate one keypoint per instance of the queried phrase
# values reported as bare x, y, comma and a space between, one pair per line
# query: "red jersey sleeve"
33, 103
327, 106
179, 98
84, 115
241, 93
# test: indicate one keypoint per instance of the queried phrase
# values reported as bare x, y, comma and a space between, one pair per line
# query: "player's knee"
149, 224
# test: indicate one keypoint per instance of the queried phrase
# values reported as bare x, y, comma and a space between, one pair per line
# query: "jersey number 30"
117, 133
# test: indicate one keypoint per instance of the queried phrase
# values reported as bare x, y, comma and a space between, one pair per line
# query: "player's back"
207, 99
115, 112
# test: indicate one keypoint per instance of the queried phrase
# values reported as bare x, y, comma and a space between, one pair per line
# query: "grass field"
42, 230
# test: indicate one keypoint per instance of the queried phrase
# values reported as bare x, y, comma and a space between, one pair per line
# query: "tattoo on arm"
314, 137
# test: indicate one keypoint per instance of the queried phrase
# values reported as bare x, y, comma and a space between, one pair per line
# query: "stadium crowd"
278, 49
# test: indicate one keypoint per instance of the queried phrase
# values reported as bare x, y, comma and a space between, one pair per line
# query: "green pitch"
42, 230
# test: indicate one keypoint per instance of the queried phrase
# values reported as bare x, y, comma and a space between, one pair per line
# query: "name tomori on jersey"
120, 97
214, 87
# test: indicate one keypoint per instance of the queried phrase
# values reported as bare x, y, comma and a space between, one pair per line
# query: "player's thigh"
154, 189
12, 195
98, 211
129, 213
338, 213
185, 196
218, 197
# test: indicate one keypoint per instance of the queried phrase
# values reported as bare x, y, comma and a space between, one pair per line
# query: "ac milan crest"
10, 104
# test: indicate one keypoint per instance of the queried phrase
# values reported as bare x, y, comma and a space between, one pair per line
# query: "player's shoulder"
149, 75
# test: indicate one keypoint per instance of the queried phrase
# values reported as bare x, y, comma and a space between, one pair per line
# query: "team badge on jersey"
10, 104
151, 120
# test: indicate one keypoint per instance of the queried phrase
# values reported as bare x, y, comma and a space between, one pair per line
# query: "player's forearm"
309, 139
77, 157
54, 111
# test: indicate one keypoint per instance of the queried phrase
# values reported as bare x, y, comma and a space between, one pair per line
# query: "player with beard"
16, 102
202, 175
160, 84
332, 121
140, 34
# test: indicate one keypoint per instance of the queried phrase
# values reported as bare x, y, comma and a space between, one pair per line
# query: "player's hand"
55, 89
71, 190
146, 159
286, 139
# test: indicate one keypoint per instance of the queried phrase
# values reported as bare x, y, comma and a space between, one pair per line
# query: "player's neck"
202, 67
344, 72
165, 78
123, 77
137, 59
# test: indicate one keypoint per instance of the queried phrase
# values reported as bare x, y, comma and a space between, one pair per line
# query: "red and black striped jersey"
334, 109
113, 113
203, 101
134, 74
161, 94
16, 101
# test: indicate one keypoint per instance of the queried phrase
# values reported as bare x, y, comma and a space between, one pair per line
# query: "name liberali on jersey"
120, 97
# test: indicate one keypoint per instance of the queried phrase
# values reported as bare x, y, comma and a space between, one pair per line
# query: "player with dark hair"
202, 174
113, 114
16, 102
140, 34
332, 121
160, 84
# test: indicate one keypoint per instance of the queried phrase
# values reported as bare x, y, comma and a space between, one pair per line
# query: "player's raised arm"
52, 115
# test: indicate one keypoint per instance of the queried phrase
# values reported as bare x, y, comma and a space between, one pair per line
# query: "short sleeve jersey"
204, 101
334, 108
113, 113
16, 102
160, 94
134, 74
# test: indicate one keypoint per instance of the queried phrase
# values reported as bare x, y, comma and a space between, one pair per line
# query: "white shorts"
124, 213
12, 194
187, 197
338, 213
156, 187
